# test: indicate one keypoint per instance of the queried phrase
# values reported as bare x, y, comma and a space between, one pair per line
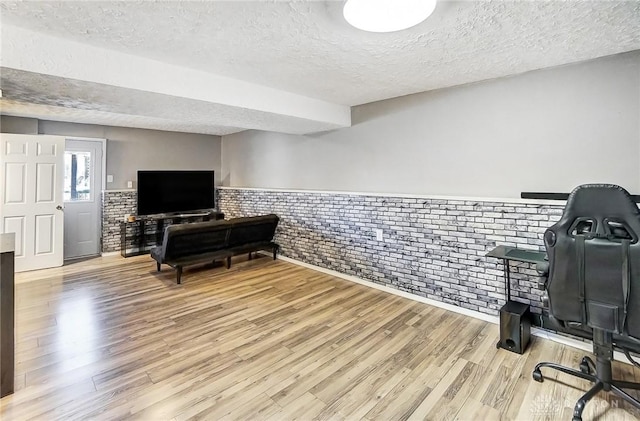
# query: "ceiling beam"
38, 53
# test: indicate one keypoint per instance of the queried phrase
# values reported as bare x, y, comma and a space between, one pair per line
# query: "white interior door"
82, 187
31, 199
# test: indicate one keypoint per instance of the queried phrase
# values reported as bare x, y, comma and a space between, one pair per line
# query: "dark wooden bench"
206, 242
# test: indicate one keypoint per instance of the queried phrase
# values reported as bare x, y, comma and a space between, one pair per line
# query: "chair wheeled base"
598, 373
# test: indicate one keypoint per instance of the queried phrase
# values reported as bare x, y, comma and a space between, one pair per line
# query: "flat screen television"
175, 191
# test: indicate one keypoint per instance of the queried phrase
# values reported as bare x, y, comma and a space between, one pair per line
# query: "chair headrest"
603, 210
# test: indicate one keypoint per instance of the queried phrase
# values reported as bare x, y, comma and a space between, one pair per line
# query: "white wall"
130, 150
547, 130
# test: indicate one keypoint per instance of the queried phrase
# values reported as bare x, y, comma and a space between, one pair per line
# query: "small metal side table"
515, 323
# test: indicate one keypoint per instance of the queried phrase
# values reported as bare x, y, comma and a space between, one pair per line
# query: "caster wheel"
576, 419
537, 376
584, 367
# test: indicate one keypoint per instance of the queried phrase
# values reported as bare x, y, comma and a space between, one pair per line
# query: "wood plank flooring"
109, 338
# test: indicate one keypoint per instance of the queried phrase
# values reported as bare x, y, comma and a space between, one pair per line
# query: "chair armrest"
542, 268
543, 271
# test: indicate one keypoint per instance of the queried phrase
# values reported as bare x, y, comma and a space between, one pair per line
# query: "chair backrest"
194, 238
254, 229
594, 260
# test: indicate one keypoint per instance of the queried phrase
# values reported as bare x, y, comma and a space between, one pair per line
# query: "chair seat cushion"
156, 254
199, 258
246, 248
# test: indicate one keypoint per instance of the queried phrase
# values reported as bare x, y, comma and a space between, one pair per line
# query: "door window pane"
77, 176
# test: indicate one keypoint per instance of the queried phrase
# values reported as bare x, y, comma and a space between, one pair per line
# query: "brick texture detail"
115, 205
430, 248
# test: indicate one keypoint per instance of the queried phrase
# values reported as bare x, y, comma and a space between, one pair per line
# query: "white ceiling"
295, 67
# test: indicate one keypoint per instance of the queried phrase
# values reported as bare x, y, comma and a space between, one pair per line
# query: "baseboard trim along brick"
110, 253
439, 304
541, 333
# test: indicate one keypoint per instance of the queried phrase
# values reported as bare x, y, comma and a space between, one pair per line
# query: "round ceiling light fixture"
387, 15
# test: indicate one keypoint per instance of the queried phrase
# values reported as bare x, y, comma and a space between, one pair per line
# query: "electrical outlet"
109, 178
378, 234
129, 184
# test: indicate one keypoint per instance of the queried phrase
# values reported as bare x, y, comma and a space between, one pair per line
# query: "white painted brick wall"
431, 248
115, 205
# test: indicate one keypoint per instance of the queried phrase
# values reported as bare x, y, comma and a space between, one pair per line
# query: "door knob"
60, 208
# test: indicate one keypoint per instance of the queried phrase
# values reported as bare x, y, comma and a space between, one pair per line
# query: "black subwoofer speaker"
515, 327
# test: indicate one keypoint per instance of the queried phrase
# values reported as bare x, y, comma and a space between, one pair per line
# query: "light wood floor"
109, 338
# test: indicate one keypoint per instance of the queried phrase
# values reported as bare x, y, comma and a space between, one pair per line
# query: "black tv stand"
145, 231
189, 215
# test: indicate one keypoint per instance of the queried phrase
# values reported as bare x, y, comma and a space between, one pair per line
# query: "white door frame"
102, 187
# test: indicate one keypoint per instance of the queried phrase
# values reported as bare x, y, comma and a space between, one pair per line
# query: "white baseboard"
541, 333
471, 313
110, 253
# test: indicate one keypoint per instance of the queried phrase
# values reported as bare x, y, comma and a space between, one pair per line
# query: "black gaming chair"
593, 281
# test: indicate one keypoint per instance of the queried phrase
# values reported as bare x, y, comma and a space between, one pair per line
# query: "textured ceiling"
306, 47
